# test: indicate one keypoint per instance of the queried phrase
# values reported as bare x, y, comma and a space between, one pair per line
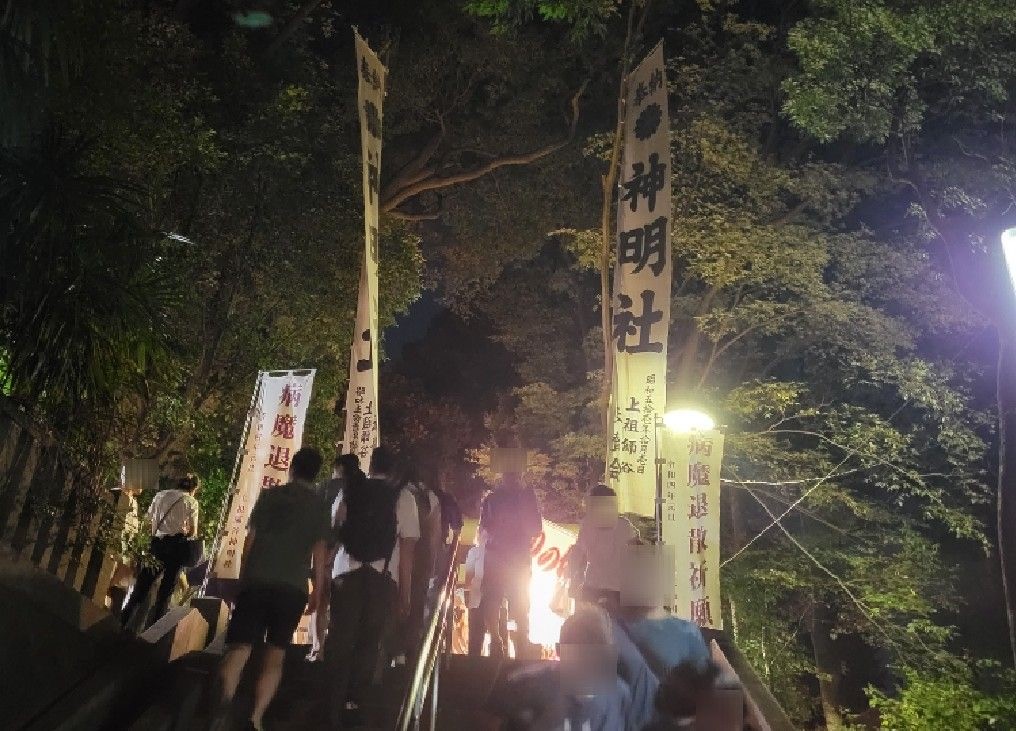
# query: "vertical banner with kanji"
642, 277
273, 437
362, 432
691, 521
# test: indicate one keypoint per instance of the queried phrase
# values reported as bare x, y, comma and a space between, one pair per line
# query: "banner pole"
224, 508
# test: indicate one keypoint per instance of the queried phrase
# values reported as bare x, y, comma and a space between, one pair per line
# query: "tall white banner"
361, 432
273, 436
641, 299
691, 522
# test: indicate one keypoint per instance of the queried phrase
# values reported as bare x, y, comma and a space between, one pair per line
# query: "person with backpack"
511, 516
173, 516
286, 535
345, 471
372, 578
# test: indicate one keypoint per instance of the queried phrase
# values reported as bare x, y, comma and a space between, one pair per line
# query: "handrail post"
433, 694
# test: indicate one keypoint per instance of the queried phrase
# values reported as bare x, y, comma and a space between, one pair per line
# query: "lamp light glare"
1009, 250
688, 420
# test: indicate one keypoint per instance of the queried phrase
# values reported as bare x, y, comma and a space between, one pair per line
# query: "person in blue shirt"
646, 586
584, 691
665, 640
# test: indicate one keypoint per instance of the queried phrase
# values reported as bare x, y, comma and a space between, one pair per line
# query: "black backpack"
370, 529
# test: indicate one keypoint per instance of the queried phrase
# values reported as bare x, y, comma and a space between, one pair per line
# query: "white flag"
362, 431
691, 522
273, 436
641, 298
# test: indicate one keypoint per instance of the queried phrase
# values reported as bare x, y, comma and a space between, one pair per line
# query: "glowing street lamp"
1009, 249
682, 421
679, 421
1006, 509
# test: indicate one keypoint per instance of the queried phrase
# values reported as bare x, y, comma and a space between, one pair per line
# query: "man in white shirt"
173, 515
595, 559
378, 527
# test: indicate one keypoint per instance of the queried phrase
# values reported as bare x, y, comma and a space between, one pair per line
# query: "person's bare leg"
230, 670
323, 614
268, 682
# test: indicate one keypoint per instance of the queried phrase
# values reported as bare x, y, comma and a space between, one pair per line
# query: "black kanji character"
373, 176
626, 323
641, 93
648, 122
370, 75
365, 364
373, 119
373, 243
639, 244
655, 81
645, 184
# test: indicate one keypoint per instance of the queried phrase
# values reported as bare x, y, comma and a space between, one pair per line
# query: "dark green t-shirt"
287, 521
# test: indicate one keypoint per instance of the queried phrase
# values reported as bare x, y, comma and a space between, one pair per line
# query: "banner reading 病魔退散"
691, 522
361, 433
640, 311
274, 435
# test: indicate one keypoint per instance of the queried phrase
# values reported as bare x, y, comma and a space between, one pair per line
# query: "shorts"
269, 612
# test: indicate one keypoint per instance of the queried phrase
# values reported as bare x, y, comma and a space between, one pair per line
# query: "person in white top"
595, 559
173, 515
479, 613
378, 526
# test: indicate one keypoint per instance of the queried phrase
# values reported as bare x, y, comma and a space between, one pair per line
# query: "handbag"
194, 548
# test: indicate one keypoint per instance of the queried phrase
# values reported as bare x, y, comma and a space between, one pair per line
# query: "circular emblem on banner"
648, 121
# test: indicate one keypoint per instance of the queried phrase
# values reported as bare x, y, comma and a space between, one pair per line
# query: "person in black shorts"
286, 535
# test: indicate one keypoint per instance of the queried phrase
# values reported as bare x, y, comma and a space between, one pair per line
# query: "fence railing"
426, 666
48, 513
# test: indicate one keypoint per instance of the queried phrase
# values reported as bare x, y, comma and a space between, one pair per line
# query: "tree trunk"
1006, 397
608, 183
826, 664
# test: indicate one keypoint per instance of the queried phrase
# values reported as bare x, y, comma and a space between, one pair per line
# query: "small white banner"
273, 437
691, 522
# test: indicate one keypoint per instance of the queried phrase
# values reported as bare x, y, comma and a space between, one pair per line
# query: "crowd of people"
371, 543
625, 662
358, 552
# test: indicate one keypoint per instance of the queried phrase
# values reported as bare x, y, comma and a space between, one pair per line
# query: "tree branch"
431, 181
291, 26
404, 216
416, 170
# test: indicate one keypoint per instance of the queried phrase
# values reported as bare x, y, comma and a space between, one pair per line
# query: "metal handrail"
425, 667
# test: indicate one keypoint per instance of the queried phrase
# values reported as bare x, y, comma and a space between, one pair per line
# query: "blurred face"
647, 576
602, 510
587, 669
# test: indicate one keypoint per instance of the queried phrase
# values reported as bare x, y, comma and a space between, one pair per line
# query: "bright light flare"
544, 624
1009, 250
687, 420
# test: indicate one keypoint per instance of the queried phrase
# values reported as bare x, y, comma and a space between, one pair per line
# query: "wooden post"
20, 480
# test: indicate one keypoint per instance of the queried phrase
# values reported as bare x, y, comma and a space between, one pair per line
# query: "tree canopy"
180, 202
